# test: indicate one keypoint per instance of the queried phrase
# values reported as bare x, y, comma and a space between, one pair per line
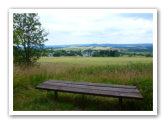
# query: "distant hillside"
101, 45
121, 47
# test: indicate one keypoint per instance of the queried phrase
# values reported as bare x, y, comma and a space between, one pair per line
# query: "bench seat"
99, 89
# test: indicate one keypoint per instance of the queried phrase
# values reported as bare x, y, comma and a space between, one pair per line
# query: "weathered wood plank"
90, 91
92, 87
90, 84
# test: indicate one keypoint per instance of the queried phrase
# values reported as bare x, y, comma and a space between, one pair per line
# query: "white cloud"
66, 28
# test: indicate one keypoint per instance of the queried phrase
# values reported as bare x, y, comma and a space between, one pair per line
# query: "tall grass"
132, 72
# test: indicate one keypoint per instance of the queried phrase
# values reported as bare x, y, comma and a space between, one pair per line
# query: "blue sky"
87, 28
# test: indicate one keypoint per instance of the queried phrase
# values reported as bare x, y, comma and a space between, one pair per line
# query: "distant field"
96, 60
136, 71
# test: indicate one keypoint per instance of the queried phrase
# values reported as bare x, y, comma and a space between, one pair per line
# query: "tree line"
93, 53
88, 52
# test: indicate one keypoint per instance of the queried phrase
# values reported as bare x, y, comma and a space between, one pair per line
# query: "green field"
110, 70
96, 61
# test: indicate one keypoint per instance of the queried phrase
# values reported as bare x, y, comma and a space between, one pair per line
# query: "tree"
28, 38
116, 53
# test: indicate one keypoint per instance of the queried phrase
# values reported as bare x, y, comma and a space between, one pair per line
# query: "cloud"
76, 28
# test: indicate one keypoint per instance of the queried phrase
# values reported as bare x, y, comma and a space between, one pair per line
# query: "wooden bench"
99, 89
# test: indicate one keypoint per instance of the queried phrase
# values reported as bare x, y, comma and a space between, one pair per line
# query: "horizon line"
96, 43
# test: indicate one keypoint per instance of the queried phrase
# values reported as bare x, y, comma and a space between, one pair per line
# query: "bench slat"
91, 84
91, 88
91, 92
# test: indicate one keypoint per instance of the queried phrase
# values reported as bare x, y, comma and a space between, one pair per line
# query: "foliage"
130, 54
88, 52
107, 53
28, 38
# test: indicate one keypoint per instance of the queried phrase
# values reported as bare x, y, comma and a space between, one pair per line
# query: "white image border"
154, 112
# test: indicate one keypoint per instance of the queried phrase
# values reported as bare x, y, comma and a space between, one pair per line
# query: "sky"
90, 27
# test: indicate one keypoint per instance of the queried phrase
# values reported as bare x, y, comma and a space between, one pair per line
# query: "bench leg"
56, 94
120, 103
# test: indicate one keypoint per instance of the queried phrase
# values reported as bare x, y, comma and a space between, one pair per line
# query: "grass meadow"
136, 71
